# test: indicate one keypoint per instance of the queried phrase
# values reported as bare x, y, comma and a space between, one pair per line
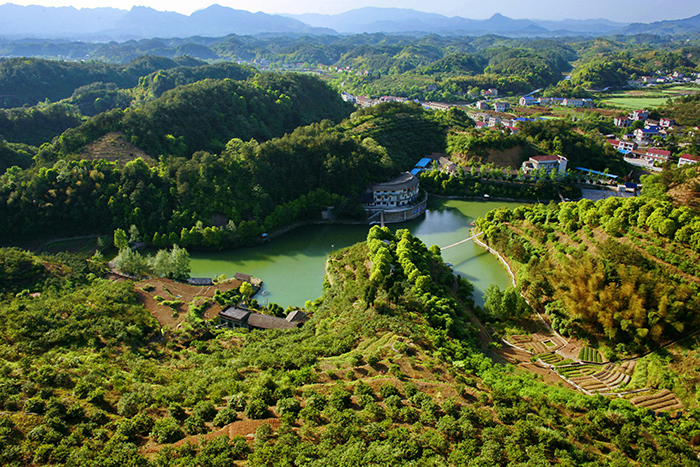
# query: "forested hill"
250, 186
131, 85
205, 115
30, 80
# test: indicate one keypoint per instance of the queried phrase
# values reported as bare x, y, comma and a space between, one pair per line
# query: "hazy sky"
617, 10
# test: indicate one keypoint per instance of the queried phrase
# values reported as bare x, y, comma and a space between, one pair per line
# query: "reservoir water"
292, 265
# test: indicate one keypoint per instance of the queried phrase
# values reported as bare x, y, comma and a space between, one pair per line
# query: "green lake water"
292, 265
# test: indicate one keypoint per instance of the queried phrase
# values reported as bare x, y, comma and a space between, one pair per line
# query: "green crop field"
636, 103
588, 354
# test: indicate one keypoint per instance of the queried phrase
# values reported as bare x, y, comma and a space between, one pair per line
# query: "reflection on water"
292, 266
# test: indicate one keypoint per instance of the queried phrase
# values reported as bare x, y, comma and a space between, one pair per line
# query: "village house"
396, 200
501, 106
235, 317
644, 135
513, 130
448, 166
548, 163
622, 122
527, 101
687, 159
437, 106
493, 121
667, 122
658, 155
623, 146
639, 115
483, 105
365, 101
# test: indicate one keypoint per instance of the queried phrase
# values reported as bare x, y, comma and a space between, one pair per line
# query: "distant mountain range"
679, 26
140, 23
105, 24
398, 20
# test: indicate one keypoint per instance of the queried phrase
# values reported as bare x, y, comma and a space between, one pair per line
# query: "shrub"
393, 401
237, 401
388, 389
225, 416
356, 359
35, 405
288, 405
166, 430
373, 359
364, 399
195, 425
339, 399
256, 409
177, 412
410, 389
204, 409
362, 388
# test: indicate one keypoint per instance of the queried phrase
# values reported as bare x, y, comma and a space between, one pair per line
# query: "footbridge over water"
462, 241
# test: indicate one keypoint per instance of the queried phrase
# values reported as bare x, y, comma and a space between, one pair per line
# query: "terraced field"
550, 358
598, 378
661, 401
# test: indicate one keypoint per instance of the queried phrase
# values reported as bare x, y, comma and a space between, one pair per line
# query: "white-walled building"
549, 163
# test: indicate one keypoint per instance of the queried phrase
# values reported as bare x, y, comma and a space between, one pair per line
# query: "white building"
687, 159
399, 191
501, 106
548, 163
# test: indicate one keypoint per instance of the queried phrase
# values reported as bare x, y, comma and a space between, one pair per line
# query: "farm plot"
636, 103
537, 343
588, 354
661, 401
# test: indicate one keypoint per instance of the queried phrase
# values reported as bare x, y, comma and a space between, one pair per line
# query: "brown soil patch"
527, 111
171, 290
505, 158
688, 192
115, 148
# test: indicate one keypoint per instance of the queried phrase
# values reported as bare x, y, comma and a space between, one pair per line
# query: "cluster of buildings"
648, 157
634, 145
527, 101
643, 116
661, 77
484, 120
369, 102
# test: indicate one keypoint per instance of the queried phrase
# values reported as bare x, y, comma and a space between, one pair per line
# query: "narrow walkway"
463, 241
